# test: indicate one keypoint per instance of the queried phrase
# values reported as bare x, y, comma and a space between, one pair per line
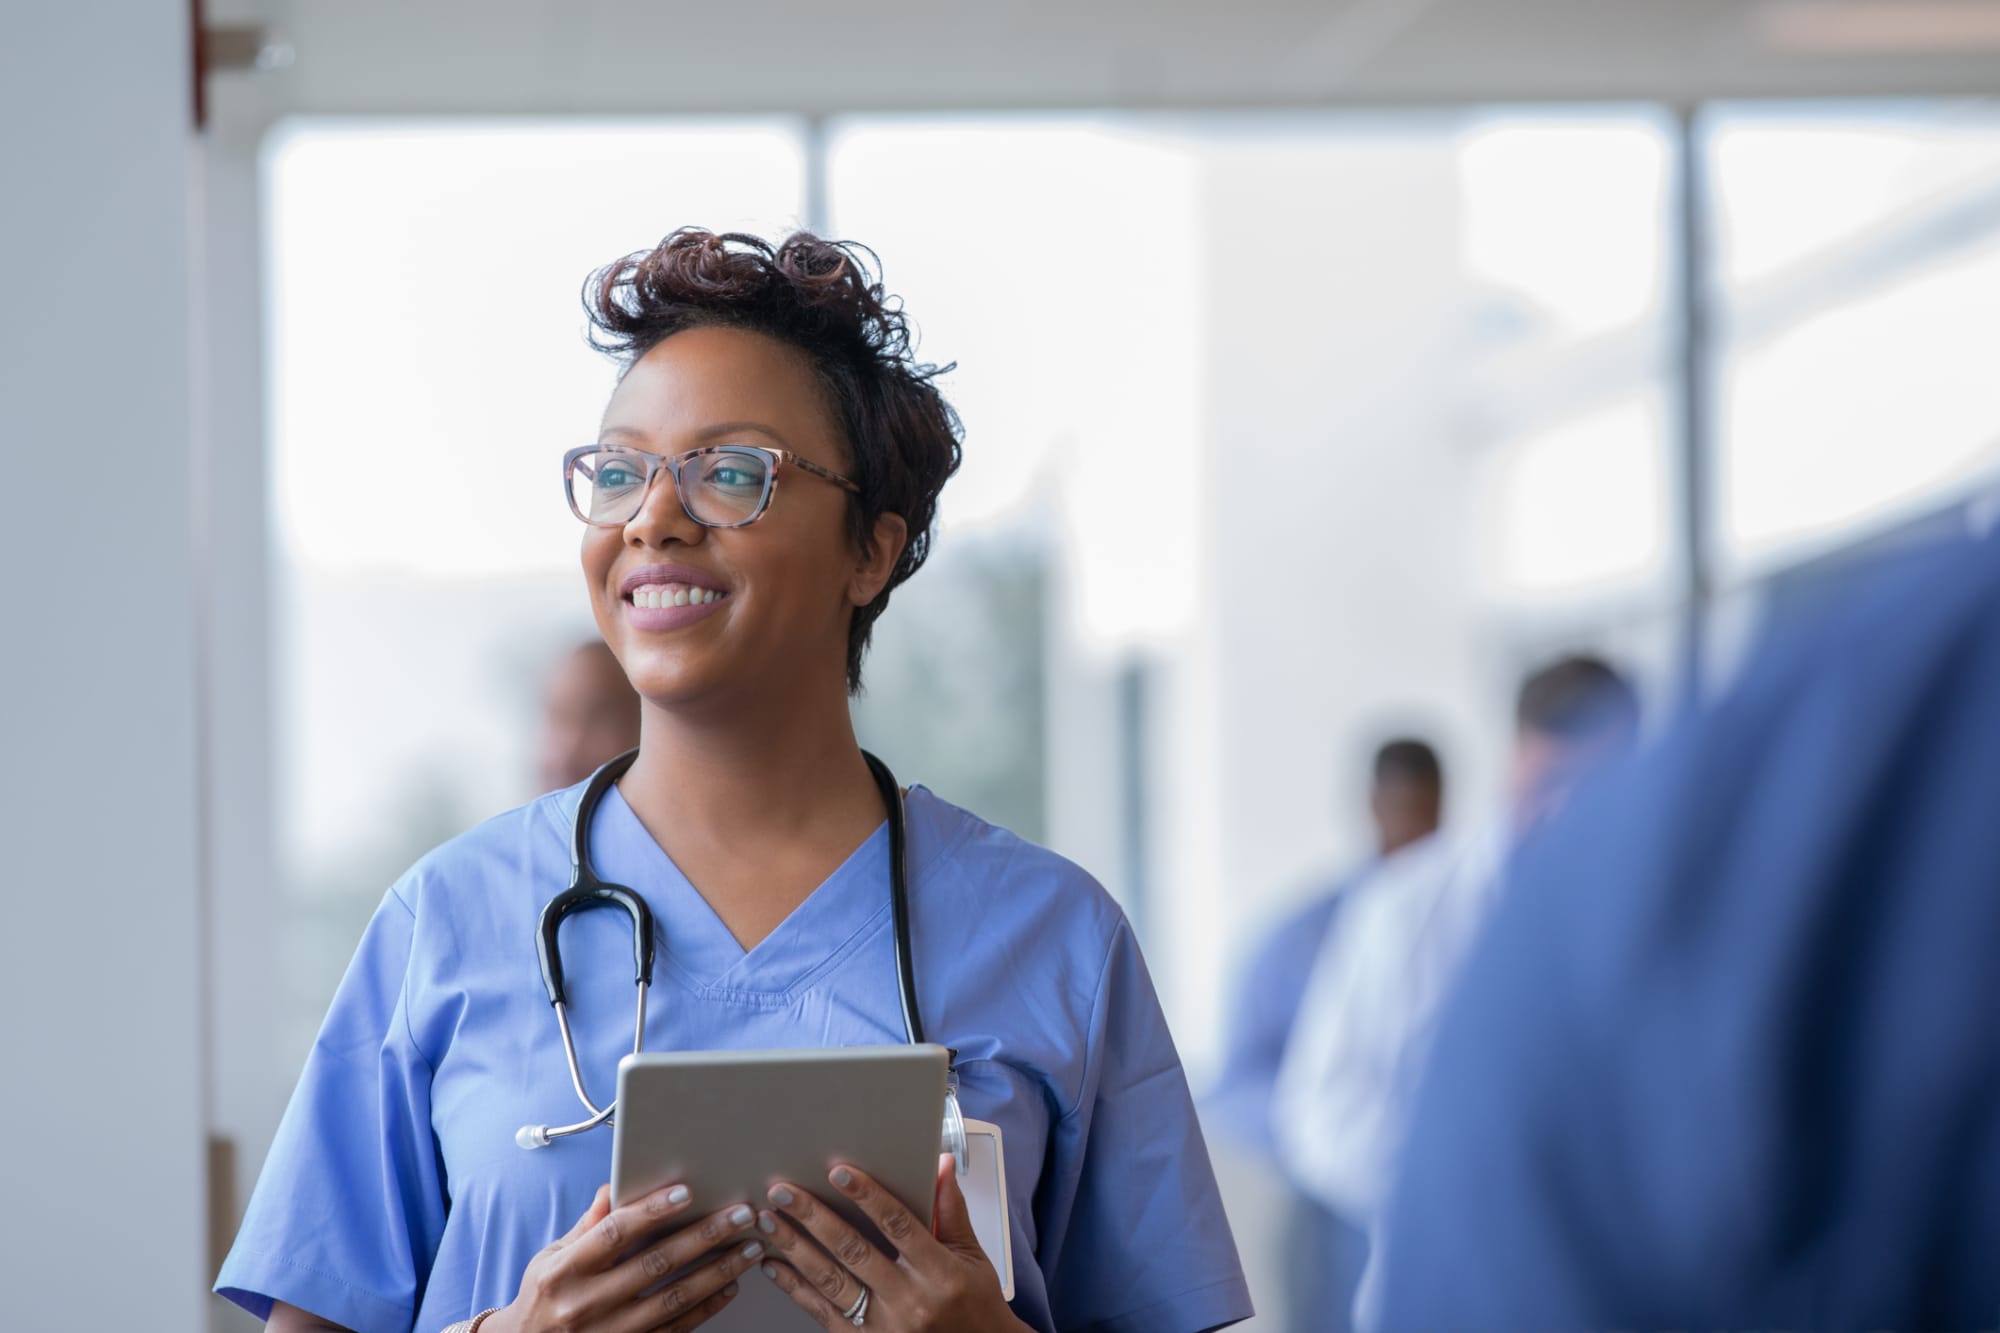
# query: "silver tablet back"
728, 1124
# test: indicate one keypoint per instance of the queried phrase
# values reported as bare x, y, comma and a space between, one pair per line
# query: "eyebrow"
705, 434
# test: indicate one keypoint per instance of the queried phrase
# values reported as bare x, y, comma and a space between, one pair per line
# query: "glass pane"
1580, 507
1564, 219
1564, 228
1860, 269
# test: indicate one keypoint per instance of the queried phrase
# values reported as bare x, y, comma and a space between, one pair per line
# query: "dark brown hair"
826, 299
1578, 698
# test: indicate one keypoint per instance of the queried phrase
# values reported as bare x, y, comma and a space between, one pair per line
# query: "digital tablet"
729, 1124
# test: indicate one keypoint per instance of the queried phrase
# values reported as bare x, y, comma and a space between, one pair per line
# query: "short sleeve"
1133, 1238
350, 1205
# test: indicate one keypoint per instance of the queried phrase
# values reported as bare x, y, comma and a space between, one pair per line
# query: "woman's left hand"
937, 1283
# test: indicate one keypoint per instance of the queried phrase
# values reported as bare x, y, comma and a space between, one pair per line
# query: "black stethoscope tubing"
587, 891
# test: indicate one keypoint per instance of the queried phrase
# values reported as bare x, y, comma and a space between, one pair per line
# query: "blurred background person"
1364, 1026
1729, 1054
1324, 1251
590, 716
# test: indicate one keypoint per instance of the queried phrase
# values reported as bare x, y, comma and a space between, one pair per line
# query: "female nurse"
766, 473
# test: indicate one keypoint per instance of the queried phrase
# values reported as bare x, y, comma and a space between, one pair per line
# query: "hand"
936, 1284
597, 1279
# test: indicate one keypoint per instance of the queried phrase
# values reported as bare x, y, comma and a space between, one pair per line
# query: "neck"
752, 776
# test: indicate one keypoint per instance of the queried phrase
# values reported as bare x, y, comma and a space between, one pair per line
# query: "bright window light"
425, 304
1864, 413
1579, 508
1569, 216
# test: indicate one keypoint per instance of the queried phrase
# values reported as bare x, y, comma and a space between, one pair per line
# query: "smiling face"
767, 605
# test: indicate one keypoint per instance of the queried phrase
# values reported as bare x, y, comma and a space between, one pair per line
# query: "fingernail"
752, 1250
729, 1292
767, 1224
781, 1196
842, 1177
771, 1271
679, 1194
740, 1215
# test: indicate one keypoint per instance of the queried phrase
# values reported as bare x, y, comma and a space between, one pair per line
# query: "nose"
662, 518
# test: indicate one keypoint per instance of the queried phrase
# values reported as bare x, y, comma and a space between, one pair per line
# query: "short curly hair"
826, 299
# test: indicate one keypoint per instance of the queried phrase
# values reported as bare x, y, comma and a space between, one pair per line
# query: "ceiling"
653, 56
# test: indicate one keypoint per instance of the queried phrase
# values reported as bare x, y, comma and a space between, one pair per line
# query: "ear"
878, 562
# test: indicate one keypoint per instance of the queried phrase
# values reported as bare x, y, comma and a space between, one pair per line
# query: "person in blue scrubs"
1325, 1253
395, 1196
1729, 1056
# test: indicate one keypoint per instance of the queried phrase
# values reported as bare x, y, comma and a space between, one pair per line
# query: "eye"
617, 475
732, 473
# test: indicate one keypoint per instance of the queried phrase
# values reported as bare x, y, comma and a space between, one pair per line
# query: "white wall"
250, 1069
104, 1223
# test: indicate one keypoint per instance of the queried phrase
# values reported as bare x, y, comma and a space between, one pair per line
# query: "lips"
666, 597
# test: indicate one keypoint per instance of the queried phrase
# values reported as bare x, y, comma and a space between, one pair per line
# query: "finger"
592, 1215
702, 1313
806, 1296
954, 1217
885, 1210
829, 1275
661, 1260
688, 1293
602, 1245
854, 1251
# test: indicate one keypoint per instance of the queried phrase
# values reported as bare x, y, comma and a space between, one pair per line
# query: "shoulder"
993, 888
956, 851
1402, 880
1294, 938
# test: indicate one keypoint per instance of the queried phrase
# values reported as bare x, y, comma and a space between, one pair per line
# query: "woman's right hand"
594, 1280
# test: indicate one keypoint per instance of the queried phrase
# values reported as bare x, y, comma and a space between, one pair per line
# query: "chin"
666, 679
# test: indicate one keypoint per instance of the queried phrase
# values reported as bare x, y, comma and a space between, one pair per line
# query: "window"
1858, 257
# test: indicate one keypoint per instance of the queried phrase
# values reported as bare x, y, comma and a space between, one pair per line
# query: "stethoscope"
586, 891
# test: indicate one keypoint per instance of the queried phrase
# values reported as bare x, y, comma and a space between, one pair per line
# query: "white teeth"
653, 596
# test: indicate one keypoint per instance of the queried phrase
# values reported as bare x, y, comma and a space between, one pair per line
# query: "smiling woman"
766, 472
861, 402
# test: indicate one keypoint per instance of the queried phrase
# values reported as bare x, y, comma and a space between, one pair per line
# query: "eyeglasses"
723, 486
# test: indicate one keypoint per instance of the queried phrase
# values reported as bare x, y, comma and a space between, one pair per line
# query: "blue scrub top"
395, 1197
1729, 1056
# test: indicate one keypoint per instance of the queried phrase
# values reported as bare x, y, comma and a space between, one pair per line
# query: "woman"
766, 472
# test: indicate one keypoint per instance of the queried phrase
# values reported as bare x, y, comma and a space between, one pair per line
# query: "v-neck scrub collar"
696, 949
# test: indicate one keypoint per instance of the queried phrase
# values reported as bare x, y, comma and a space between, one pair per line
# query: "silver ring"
857, 1313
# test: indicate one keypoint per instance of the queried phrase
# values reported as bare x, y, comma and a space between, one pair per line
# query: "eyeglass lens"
720, 487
